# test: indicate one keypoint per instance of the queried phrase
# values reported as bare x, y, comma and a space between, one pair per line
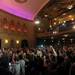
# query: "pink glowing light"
26, 10
6, 27
13, 29
25, 31
19, 30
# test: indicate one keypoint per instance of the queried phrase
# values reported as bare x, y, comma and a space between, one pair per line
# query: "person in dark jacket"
4, 66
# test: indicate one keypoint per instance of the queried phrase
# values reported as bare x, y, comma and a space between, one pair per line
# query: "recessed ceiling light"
73, 27
46, 15
55, 32
37, 22
39, 28
55, 19
64, 21
72, 19
64, 14
59, 22
50, 26
66, 35
54, 23
63, 24
69, 6
70, 16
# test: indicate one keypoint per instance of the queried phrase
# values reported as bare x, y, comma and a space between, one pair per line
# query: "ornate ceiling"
56, 8
56, 11
26, 9
51, 13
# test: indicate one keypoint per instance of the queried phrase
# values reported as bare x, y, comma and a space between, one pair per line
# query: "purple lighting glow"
26, 10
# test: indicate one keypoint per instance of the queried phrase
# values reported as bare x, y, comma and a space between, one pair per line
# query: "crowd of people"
37, 61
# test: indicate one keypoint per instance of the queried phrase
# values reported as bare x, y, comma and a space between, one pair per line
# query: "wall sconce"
6, 41
17, 41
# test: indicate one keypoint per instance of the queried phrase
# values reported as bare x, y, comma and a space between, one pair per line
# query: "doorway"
12, 44
0, 43
24, 44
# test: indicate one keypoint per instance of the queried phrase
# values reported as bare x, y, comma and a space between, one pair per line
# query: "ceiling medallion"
21, 1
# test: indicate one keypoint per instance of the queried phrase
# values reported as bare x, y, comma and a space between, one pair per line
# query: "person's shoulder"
4, 71
22, 62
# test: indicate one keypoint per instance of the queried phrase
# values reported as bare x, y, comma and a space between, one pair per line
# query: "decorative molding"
21, 1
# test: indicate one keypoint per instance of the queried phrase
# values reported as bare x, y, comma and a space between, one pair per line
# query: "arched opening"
24, 44
0, 43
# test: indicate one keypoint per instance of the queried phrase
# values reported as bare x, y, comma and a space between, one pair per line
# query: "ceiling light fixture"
66, 35
64, 21
50, 26
73, 27
46, 15
59, 22
39, 28
55, 32
63, 24
70, 16
64, 14
54, 23
69, 7
72, 19
37, 22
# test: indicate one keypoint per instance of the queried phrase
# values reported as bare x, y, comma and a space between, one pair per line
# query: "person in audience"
4, 64
39, 61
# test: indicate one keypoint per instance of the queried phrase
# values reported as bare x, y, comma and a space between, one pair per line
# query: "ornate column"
31, 35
